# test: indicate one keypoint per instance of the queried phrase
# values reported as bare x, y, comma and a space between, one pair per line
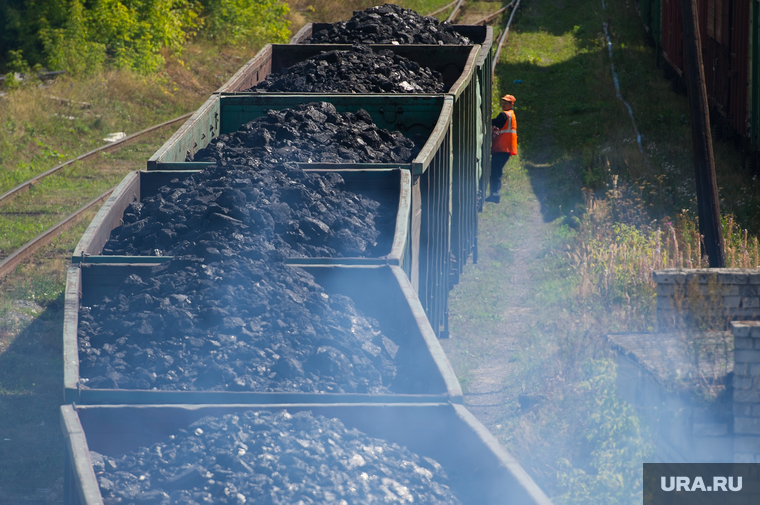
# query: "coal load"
311, 133
232, 325
252, 209
260, 457
357, 70
389, 24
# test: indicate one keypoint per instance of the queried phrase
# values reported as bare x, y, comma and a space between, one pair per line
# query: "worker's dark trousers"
498, 161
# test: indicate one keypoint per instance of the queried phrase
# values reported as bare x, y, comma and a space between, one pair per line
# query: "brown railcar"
724, 27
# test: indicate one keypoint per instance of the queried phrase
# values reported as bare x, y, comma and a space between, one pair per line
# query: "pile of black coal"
357, 70
389, 24
311, 133
282, 458
233, 325
253, 208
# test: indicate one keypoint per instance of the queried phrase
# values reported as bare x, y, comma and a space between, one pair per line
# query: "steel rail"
494, 15
28, 249
503, 38
436, 12
120, 143
454, 12
44, 76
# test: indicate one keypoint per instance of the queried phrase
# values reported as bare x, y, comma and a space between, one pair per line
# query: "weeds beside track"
567, 255
27, 250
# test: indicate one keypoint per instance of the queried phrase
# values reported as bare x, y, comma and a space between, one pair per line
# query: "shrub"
132, 33
69, 48
124, 33
255, 22
617, 442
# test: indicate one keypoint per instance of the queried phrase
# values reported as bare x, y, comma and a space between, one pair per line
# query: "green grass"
581, 444
566, 443
423, 6
40, 131
32, 212
31, 373
545, 294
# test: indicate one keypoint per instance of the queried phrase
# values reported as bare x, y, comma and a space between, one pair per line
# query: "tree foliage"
81, 36
618, 444
247, 21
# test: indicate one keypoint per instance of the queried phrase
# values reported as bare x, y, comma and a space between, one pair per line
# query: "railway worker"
504, 144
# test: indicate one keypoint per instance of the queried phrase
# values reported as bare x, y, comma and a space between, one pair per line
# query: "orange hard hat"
509, 98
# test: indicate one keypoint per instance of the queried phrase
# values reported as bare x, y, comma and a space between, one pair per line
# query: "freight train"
259, 302
729, 37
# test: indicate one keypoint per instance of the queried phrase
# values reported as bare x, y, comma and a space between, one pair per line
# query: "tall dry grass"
616, 252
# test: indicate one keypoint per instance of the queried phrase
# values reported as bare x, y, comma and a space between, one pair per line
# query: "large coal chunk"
233, 325
253, 208
389, 24
261, 457
358, 70
311, 133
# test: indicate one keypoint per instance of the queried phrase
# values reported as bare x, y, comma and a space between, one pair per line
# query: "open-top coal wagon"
730, 42
254, 319
456, 185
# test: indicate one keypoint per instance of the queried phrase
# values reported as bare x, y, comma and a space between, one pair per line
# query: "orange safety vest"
505, 140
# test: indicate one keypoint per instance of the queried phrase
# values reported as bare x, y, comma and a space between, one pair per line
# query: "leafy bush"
21, 22
617, 441
132, 33
125, 33
70, 48
255, 22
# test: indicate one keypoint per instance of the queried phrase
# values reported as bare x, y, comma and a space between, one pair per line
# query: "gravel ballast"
237, 324
356, 70
271, 458
389, 24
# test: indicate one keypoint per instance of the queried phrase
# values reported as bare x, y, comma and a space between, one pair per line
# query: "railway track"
25, 186
504, 36
26, 251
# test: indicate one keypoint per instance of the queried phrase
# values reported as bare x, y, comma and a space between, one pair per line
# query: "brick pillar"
746, 391
715, 296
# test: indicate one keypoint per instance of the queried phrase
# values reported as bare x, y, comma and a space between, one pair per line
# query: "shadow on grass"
31, 391
556, 129
567, 113
556, 65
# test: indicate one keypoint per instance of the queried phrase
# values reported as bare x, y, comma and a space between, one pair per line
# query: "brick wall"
746, 391
707, 298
